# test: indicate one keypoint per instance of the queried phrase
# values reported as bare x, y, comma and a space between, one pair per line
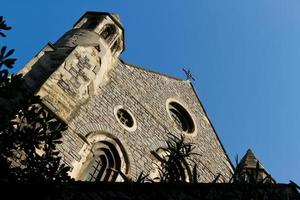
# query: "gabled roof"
151, 71
194, 90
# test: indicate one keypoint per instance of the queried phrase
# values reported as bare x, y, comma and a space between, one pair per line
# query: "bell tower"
101, 30
65, 74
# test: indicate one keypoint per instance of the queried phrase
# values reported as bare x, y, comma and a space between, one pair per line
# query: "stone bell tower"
66, 73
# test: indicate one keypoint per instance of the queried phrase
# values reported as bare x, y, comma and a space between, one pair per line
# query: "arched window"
115, 46
108, 32
167, 169
105, 163
105, 157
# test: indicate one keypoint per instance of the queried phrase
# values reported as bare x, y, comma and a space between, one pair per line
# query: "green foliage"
28, 142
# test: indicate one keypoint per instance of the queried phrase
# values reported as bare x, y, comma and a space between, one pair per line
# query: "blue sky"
245, 56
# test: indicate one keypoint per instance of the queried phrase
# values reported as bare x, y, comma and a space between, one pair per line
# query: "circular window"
181, 118
125, 118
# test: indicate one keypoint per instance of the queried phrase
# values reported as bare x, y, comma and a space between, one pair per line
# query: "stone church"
119, 115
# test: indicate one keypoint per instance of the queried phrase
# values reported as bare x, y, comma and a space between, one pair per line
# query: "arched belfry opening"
108, 32
105, 158
105, 26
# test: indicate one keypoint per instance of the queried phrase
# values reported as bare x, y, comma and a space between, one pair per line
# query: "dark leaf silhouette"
3, 26
28, 142
174, 166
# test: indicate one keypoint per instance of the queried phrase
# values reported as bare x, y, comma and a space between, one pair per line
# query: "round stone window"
125, 118
181, 118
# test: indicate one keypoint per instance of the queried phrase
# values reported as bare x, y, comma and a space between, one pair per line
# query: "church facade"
118, 115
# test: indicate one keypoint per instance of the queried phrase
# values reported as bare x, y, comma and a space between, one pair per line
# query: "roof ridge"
151, 71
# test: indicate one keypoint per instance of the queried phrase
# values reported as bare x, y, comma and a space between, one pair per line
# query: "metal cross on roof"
189, 75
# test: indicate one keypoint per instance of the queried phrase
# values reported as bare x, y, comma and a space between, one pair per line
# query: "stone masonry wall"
144, 94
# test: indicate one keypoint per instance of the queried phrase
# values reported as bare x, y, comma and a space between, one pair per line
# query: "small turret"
98, 29
250, 170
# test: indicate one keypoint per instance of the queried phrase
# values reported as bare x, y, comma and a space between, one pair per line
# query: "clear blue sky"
245, 56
